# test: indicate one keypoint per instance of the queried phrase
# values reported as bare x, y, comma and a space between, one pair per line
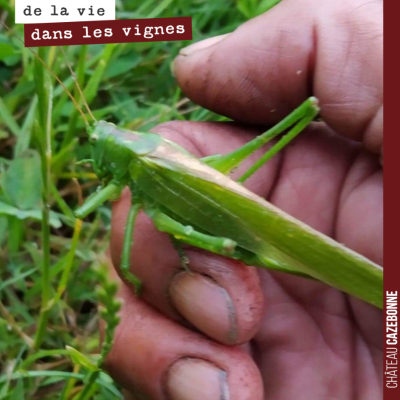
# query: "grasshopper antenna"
74, 77
52, 73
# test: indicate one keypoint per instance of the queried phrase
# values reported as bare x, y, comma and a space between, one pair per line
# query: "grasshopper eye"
93, 138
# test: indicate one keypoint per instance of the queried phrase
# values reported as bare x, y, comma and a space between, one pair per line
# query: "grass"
49, 344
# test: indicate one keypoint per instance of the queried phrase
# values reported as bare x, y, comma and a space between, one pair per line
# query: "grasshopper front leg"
111, 192
125, 265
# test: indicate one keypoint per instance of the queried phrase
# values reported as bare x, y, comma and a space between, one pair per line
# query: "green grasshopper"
195, 202
198, 204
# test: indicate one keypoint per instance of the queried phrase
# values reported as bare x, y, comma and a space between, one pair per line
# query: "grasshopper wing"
213, 202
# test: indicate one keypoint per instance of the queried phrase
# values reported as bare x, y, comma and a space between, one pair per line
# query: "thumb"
268, 66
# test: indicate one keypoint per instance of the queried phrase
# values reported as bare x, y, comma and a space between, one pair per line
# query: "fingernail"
195, 379
203, 44
206, 305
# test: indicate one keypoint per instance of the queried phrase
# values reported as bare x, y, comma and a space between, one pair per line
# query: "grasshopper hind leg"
294, 123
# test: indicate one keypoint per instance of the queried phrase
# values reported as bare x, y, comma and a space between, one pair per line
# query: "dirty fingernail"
206, 305
203, 44
195, 379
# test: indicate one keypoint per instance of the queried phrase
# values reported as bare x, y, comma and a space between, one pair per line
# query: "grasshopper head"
113, 149
109, 157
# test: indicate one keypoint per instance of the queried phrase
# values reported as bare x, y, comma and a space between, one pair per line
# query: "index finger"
268, 66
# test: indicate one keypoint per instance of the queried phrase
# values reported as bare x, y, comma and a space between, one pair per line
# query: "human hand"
301, 339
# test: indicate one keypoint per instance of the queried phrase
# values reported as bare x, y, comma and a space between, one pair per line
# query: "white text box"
45, 11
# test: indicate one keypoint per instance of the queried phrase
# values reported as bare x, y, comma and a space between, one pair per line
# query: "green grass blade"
9, 119
44, 90
25, 135
92, 87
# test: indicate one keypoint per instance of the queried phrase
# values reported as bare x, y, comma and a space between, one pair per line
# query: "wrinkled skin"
301, 339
